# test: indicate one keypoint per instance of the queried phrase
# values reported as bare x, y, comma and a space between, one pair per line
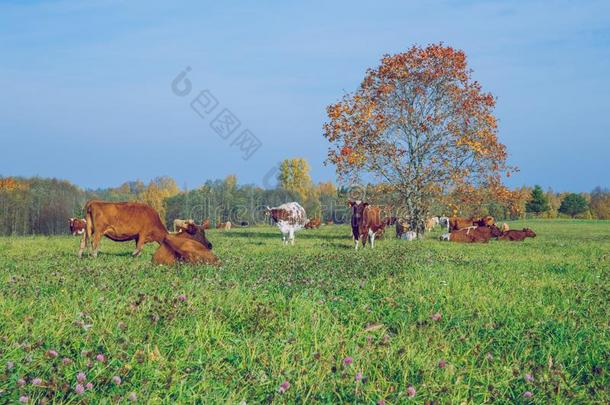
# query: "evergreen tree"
573, 204
538, 203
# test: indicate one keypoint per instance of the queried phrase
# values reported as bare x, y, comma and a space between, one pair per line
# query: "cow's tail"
89, 222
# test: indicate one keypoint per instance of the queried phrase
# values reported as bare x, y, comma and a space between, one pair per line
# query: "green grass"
275, 313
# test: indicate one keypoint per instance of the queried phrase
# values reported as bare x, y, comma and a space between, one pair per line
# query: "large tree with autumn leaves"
423, 126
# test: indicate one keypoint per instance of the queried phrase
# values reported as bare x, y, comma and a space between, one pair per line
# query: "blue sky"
86, 86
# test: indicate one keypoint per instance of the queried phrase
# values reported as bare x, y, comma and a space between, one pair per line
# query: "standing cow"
290, 218
121, 222
77, 226
366, 222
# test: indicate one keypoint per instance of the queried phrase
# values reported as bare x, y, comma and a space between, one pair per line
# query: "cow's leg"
291, 236
139, 245
83, 244
372, 237
356, 243
95, 243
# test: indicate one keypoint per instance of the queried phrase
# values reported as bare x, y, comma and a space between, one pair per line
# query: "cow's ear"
365, 204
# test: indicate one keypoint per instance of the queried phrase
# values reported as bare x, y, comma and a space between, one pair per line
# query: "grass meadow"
407, 322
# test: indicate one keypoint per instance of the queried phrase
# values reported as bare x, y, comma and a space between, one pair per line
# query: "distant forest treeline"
42, 206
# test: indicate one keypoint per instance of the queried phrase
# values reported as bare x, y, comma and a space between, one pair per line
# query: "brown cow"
195, 232
313, 223
121, 222
206, 223
77, 226
457, 223
473, 234
180, 248
366, 223
517, 236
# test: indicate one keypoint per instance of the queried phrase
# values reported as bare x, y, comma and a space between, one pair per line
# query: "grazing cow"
366, 223
517, 236
121, 222
290, 218
313, 223
473, 234
181, 248
77, 226
457, 223
178, 223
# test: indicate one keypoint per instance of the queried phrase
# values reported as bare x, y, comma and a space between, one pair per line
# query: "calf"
121, 222
517, 236
473, 234
77, 226
290, 218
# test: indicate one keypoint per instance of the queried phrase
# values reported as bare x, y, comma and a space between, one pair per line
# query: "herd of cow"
126, 221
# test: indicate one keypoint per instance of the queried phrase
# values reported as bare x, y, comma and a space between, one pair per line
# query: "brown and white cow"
290, 218
366, 223
121, 222
77, 226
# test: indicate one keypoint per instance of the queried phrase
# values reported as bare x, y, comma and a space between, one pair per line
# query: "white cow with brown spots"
290, 218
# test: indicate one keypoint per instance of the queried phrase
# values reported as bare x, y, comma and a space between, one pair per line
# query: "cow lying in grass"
516, 235
473, 234
189, 245
457, 223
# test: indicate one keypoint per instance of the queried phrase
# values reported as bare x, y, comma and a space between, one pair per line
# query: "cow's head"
487, 220
198, 233
529, 232
495, 231
358, 208
77, 226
